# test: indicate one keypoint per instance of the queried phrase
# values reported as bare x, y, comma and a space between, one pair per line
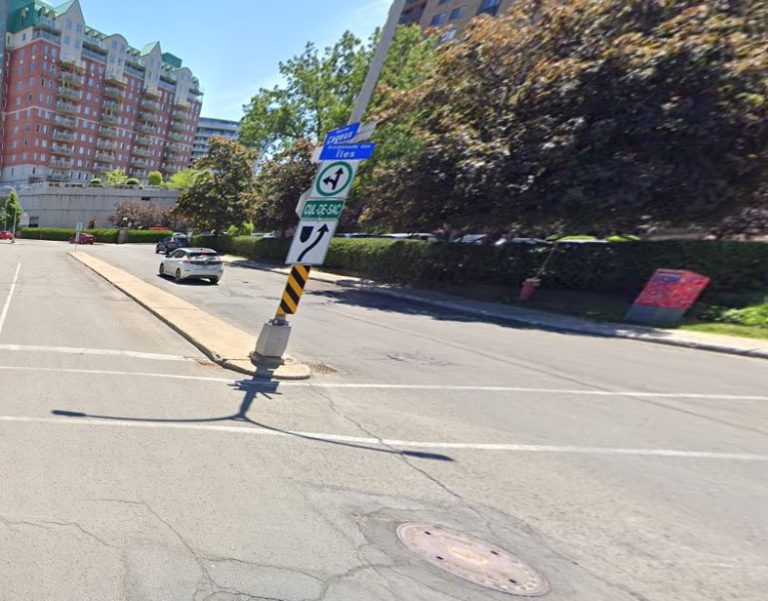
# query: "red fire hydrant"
529, 287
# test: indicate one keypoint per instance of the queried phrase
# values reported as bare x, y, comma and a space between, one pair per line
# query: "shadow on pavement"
252, 389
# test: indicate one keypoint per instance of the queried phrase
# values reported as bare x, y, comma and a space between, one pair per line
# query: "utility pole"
274, 336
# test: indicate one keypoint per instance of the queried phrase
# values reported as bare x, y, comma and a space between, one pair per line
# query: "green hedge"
146, 236
616, 268
64, 234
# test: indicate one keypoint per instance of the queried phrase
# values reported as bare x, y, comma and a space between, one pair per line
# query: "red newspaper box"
668, 296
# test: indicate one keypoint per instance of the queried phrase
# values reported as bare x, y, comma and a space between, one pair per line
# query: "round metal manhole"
474, 560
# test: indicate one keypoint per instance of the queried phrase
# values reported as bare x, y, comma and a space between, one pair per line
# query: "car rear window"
203, 255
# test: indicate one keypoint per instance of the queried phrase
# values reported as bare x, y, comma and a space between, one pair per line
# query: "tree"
138, 215
155, 178
182, 180
220, 194
11, 207
583, 115
279, 184
116, 177
318, 93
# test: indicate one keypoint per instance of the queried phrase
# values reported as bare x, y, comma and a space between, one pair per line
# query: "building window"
490, 7
439, 19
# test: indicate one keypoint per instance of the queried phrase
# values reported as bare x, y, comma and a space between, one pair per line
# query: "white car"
193, 264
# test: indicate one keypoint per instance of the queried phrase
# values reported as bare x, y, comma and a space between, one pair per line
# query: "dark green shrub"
95, 183
108, 236
132, 182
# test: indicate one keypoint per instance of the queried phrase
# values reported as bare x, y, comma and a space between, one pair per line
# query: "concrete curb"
539, 319
221, 342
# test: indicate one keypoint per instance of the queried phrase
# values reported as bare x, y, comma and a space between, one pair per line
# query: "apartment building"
450, 16
213, 128
77, 102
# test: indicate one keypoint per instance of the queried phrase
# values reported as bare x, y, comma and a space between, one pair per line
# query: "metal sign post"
320, 207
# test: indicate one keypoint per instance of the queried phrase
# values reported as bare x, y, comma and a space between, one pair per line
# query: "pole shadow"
252, 389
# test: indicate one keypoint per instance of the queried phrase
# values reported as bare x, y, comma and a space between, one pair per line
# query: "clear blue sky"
234, 46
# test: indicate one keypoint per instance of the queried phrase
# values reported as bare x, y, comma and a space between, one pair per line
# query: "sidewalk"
539, 319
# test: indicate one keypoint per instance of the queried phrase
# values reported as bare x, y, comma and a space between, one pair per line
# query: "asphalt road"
133, 469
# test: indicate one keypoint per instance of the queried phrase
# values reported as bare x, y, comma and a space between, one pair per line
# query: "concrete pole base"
273, 339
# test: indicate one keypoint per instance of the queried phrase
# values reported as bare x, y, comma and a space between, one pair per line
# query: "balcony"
67, 108
62, 135
93, 54
141, 152
69, 93
175, 137
66, 122
63, 149
150, 105
109, 119
107, 132
104, 157
103, 165
131, 70
175, 146
47, 24
151, 93
62, 163
147, 116
180, 104
177, 126
72, 64
145, 128
73, 79
144, 141
115, 78
103, 144
58, 176
112, 91
95, 43
139, 163
110, 105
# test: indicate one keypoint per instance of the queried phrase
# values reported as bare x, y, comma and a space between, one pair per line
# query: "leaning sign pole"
320, 208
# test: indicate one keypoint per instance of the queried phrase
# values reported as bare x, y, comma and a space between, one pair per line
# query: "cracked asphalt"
134, 470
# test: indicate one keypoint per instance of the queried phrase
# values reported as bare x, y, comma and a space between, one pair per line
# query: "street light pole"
274, 336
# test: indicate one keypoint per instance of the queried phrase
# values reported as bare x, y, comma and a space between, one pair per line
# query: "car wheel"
215, 281
161, 271
177, 277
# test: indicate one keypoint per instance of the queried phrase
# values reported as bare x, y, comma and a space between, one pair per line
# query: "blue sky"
234, 46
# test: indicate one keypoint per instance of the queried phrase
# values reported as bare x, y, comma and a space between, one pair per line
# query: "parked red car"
84, 239
6, 235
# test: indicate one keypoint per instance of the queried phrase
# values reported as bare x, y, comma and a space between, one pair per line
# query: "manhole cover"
473, 560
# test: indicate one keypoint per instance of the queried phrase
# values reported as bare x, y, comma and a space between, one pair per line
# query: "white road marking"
7, 304
90, 351
459, 446
351, 386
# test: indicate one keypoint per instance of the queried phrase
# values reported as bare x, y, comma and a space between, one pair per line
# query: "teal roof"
149, 48
24, 13
172, 60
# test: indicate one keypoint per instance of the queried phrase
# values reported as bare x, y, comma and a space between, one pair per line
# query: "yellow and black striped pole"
289, 303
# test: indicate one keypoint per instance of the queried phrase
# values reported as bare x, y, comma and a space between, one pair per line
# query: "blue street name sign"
348, 152
339, 136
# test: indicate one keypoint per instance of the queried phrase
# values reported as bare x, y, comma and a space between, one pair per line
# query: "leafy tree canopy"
220, 194
116, 177
585, 116
155, 178
10, 207
320, 88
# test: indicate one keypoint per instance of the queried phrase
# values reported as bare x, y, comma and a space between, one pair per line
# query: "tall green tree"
584, 116
320, 88
182, 180
278, 185
11, 207
220, 194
